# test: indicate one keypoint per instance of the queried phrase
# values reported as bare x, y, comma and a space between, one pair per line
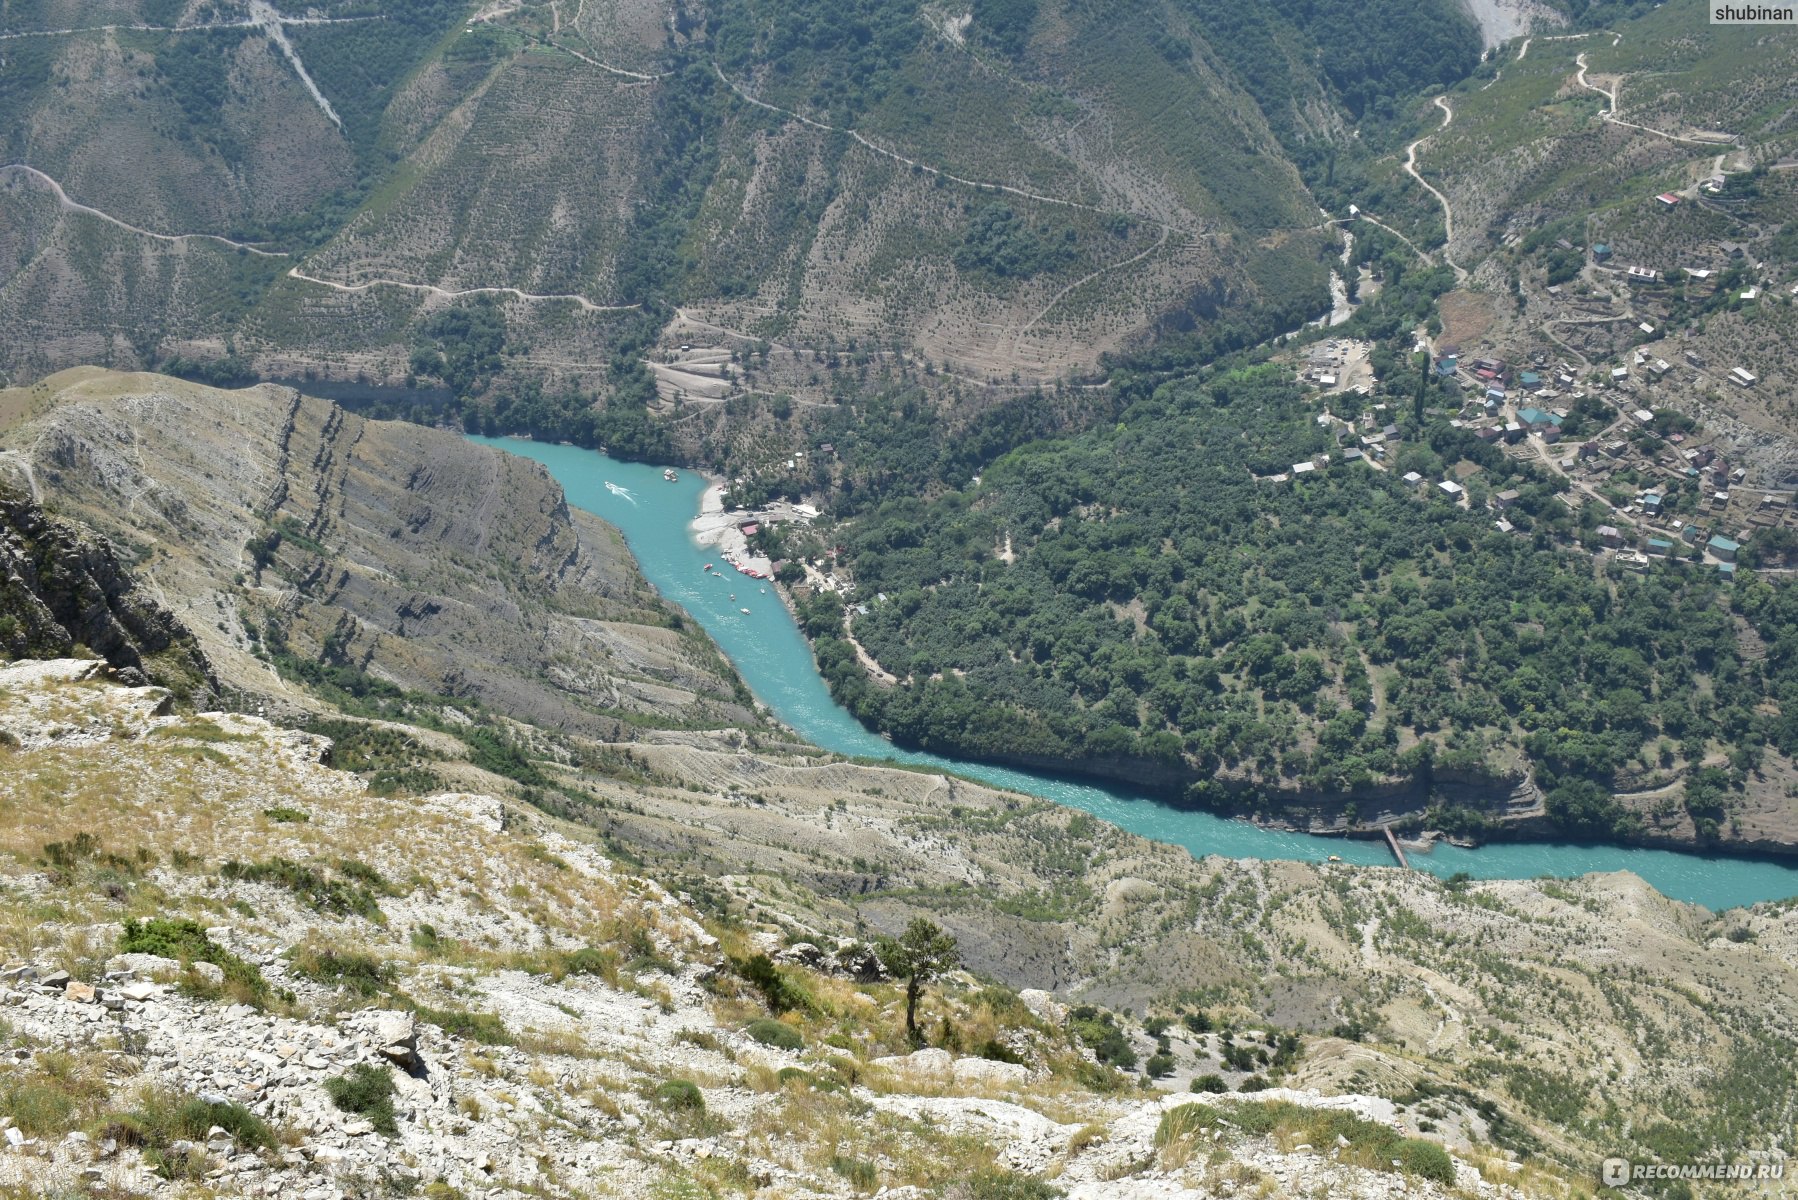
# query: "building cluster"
1528, 411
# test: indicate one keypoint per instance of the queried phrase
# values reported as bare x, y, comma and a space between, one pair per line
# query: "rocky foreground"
232, 970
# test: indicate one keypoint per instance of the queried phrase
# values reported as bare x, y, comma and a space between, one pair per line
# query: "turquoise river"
775, 661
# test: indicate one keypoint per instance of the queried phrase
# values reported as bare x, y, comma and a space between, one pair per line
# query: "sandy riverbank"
715, 527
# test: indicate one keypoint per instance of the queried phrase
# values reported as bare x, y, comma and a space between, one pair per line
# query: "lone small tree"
922, 953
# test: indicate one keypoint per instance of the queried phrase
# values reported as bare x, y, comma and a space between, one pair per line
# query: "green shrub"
362, 974
195, 1118
1159, 1066
592, 960
1380, 1144
164, 1116
998, 1051
778, 1034
481, 1027
1210, 1083
281, 814
350, 896
680, 1095
38, 1106
1426, 1160
995, 1183
780, 995
186, 941
1254, 1083
859, 1172
1184, 1121
366, 1091
1100, 1032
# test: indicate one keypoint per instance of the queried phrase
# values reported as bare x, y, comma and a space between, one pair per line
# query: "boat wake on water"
616, 490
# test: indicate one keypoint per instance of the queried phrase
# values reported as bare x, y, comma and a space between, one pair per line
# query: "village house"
1723, 548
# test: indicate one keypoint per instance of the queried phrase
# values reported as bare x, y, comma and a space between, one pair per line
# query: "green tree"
919, 955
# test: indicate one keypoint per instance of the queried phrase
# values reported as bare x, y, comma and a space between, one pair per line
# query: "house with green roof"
1723, 548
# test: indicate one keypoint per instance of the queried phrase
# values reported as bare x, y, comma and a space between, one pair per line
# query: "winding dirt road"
1610, 113
982, 185
62, 199
1448, 214
582, 302
1081, 282
199, 28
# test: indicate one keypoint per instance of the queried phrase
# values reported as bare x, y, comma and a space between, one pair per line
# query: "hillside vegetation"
1171, 616
453, 987
1014, 193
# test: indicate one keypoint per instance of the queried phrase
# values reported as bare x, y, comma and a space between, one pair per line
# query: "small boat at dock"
670, 474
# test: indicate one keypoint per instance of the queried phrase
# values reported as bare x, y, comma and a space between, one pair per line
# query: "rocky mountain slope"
60, 587
997, 190
283, 530
475, 1002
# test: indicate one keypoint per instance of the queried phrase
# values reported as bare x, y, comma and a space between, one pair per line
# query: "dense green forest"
1374, 52
1329, 632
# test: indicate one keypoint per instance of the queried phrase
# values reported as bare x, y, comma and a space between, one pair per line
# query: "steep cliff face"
61, 587
284, 531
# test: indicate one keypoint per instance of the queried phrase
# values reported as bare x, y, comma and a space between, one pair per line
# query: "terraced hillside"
1576, 123
1008, 190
